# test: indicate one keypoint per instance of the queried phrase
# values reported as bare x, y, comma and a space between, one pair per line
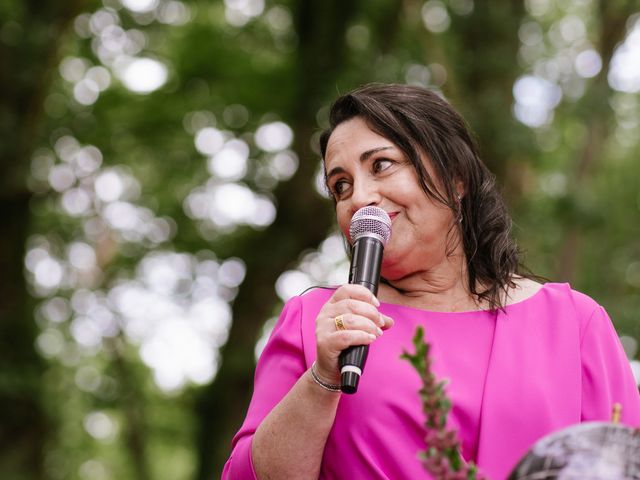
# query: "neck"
442, 288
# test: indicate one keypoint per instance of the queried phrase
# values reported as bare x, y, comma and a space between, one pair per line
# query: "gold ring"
338, 321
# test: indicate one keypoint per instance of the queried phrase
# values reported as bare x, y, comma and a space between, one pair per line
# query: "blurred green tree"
30, 37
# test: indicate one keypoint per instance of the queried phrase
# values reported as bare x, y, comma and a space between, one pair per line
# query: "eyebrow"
364, 156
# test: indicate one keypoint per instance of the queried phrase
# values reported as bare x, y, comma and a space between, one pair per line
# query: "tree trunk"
24, 424
33, 33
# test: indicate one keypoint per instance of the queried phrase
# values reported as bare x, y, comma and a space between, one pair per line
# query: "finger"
357, 307
358, 322
338, 341
388, 322
356, 292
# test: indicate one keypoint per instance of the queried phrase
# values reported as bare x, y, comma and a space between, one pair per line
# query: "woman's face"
364, 168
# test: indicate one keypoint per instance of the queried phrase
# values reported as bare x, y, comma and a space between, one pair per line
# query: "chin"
390, 273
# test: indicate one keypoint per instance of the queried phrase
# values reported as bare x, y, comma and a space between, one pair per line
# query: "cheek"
344, 220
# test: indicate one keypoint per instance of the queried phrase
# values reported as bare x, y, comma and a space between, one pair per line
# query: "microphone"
370, 230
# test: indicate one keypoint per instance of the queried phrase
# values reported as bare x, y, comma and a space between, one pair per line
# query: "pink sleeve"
606, 374
281, 364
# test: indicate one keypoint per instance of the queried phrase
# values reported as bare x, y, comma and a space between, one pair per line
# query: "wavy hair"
419, 122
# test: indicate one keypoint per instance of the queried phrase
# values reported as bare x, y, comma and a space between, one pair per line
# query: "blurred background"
160, 193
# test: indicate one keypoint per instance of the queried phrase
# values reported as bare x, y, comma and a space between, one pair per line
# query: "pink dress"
514, 376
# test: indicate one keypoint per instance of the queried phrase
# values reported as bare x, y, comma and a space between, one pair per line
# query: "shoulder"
557, 293
523, 289
554, 302
563, 293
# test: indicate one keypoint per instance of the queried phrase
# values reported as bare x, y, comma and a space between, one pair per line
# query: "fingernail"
381, 320
376, 302
379, 330
372, 336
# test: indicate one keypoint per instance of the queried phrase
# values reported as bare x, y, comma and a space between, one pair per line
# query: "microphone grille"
370, 220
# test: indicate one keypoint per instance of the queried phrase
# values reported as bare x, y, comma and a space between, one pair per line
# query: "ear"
460, 190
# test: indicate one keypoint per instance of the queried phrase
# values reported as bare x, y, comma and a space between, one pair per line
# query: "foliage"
441, 457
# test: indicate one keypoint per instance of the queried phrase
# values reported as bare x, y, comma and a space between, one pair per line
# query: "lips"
392, 215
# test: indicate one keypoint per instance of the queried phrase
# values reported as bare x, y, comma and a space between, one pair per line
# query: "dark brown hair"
420, 123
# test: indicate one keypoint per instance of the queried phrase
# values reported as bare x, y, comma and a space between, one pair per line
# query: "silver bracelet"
327, 386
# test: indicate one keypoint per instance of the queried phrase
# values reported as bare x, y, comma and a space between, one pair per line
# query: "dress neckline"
506, 308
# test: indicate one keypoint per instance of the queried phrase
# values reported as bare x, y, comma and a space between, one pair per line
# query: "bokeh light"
535, 100
140, 5
176, 309
417, 74
275, 136
435, 16
588, 63
225, 202
283, 165
94, 469
328, 266
239, 12
209, 140
141, 75
230, 163
624, 74
101, 426
109, 186
174, 13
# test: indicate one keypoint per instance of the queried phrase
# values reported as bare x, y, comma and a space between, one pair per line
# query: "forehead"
351, 139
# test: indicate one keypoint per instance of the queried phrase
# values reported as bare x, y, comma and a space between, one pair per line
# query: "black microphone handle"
365, 270
350, 358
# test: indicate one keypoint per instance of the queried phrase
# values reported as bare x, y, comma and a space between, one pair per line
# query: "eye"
381, 164
339, 188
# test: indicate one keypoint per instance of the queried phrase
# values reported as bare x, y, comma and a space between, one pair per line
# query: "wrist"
331, 375
322, 381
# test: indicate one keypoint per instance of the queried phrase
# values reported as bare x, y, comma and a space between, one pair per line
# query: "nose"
365, 193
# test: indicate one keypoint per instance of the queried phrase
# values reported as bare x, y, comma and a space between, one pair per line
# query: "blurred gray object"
587, 451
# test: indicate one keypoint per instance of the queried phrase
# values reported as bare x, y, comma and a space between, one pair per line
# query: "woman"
522, 359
